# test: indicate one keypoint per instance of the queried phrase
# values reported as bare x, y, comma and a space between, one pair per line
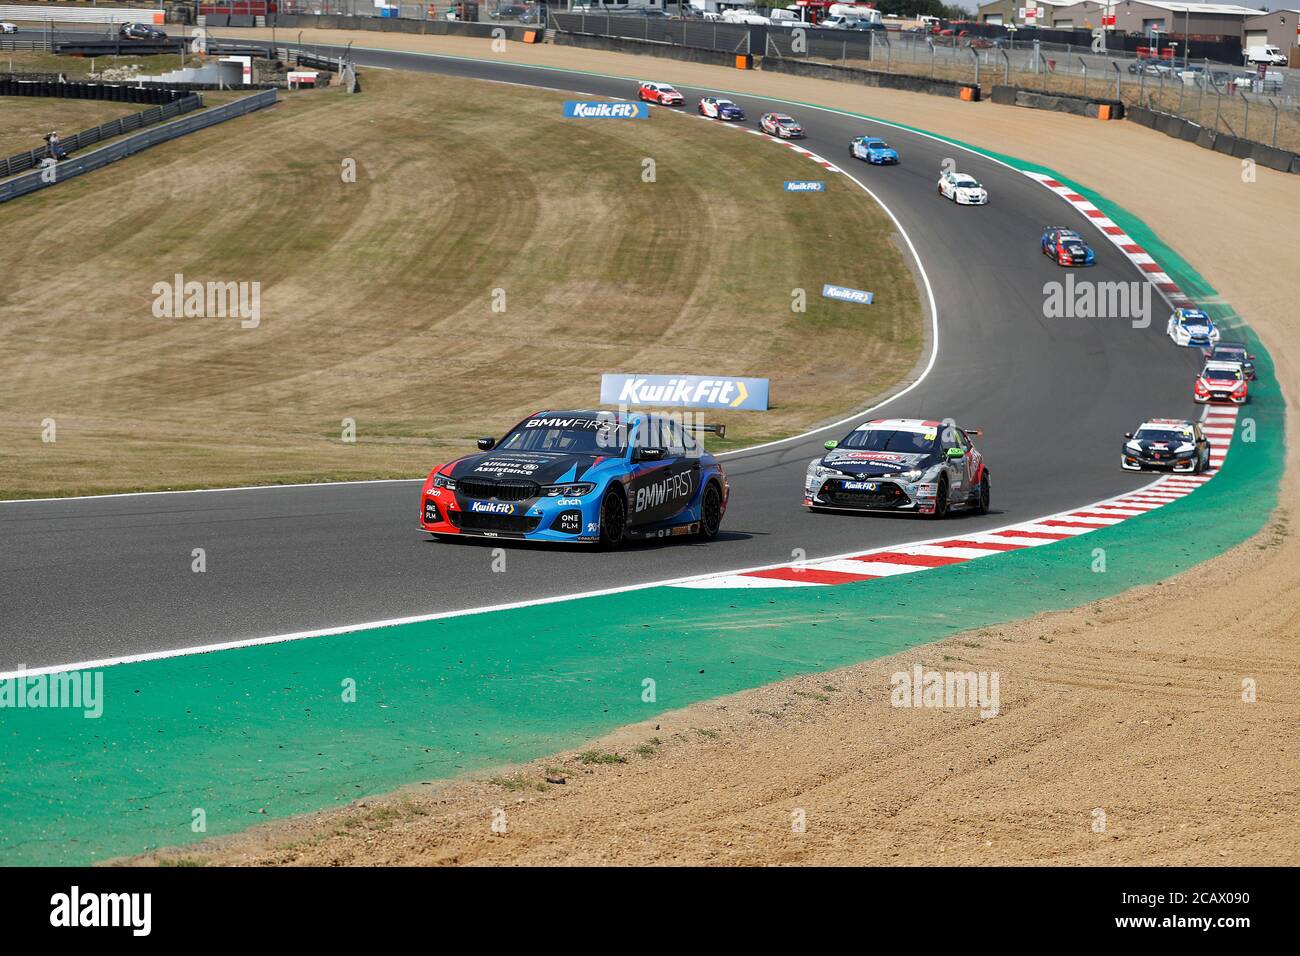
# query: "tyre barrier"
115, 92
1176, 127
1091, 106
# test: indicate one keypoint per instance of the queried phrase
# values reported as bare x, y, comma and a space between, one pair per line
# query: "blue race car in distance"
587, 477
873, 150
1066, 247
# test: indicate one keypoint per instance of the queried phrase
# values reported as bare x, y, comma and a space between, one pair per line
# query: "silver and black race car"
900, 464
1166, 444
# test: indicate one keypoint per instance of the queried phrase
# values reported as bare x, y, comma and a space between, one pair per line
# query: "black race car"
140, 31
1166, 444
900, 464
1235, 352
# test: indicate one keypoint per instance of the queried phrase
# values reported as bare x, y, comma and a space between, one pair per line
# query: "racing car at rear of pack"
900, 464
581, 477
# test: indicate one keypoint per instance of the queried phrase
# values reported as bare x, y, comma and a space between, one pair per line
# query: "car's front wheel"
941, 499
710, 513
613, 520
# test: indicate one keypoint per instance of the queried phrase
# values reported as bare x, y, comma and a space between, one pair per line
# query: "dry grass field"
490, 259
25, 121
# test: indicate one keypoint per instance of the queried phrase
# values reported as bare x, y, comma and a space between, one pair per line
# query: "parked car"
509, 11
1150, 69
8, 28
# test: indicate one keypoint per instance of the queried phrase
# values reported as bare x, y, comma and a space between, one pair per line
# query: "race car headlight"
821, 471
912, 475
442, 481
575, 490
1134, 446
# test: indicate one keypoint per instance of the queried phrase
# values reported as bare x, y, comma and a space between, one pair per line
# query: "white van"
1265, 54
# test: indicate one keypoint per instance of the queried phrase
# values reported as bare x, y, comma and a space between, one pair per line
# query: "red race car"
660, 93
1222, 382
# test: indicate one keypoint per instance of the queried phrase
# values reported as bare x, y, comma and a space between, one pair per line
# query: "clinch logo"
672, 487
491, 508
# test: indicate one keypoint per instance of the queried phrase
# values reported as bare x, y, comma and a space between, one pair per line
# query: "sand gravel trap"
1110, 712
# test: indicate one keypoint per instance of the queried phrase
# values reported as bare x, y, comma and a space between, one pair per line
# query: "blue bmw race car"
589, 477
873, 150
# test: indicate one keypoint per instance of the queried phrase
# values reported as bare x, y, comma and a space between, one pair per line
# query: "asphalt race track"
96, 578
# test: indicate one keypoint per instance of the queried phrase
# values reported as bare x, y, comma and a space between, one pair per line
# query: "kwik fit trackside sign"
847, 295
804, 186
578, 109
686, 391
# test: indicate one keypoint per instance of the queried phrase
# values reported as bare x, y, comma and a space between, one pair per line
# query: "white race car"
1192, 328
8, 28
962, 189
717, 108
781, 125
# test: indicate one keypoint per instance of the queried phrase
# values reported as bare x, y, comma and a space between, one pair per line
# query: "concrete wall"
892, 81
645, 48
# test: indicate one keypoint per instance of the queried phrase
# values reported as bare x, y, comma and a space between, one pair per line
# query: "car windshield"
889, 439
569, 435
1192, 318
1223, 374
1230, 354
1162, 434
787, 121
877, 144
964, 181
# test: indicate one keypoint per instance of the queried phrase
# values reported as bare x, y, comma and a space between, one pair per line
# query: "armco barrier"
123, 124
644, 48
847, 74
1176, 126
32, 181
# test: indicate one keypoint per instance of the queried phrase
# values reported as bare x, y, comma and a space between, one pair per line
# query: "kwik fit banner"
579, 109
685, 391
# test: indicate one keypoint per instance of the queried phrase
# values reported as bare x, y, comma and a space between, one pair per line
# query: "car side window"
666, 434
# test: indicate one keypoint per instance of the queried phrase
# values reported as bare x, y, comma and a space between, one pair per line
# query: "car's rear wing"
715, 428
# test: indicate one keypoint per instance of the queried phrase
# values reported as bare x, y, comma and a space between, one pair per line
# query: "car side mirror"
1128, 434
832, 444
1250, 358
956, 453
649, 454
487, 444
